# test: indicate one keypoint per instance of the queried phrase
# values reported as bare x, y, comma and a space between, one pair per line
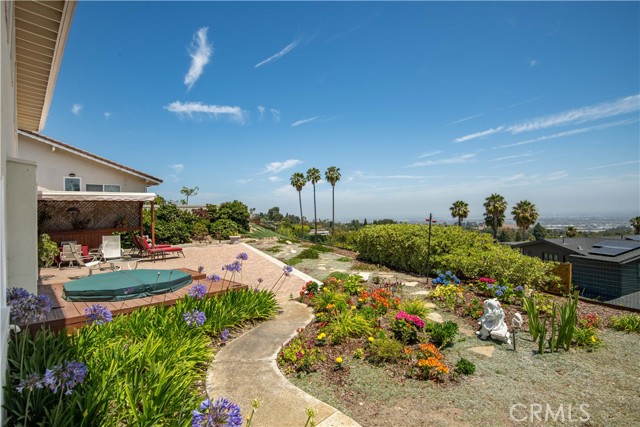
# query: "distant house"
82, 196
603, 267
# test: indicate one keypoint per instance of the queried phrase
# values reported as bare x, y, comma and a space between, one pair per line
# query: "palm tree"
460, 210
635, 223
313, 176
495, 205
524, 213
189, 192
332, 175
298, 181
571, 231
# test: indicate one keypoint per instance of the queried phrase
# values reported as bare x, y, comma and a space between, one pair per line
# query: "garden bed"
506, 385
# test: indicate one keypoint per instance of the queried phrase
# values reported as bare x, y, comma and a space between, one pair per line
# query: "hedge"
467, 254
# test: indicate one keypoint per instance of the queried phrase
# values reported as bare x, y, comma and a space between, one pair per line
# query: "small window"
94, 187
112, 188
71, 184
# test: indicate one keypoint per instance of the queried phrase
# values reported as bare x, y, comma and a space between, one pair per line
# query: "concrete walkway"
246, 369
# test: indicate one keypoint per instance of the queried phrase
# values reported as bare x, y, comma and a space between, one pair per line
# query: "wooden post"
153, 224
141, 219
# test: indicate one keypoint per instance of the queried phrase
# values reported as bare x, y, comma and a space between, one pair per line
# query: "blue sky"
419, 104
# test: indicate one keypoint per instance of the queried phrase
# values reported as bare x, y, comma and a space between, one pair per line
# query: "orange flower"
408, 350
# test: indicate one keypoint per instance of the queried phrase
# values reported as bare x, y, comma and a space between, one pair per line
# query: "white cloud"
107, 115
276, 114
274, 178
512, 164
261, 111
303, 121
526, 101
573, 132
235, 113
479, 134
76, 108
277, 167
580, 115
475, 116
630, 162
460, 158
590, 113
429, 154
200, 53
280, 54
516, 156
556, 175
243, 181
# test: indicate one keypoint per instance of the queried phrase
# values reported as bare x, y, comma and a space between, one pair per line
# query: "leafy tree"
274, 214
539, 232
298, 181
495, 205
189, 192
313, 176
235, 211
364, 224
524, 213
635, 223
332, 175
571, 231
384, 221
459, 209
225, 227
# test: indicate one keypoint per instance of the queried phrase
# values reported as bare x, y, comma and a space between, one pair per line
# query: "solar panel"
620, 244
635, 237
609, 251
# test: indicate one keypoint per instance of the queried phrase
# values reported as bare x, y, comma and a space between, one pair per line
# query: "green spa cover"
125, 284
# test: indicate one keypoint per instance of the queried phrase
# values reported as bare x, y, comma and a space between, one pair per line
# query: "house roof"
150, 180
41, 30
581, 247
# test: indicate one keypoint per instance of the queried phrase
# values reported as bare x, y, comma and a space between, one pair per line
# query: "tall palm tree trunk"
333, 207
459, 221
301, 221
315, 216
495, 226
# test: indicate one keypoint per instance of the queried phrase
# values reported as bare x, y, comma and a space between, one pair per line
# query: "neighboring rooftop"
604, 248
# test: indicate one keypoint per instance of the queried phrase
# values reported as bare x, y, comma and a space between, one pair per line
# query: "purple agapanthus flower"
30, 382
498, 293
224, 335
519, 288
98, 314
64, 378
213, 277
222, 413
198, 291
194, 318
235, 266
286, 270
26, 307
242, 256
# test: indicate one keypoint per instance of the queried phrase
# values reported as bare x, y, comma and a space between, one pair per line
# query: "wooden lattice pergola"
85, 217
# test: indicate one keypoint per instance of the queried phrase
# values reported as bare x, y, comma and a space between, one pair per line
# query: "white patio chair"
93, 264
111, 247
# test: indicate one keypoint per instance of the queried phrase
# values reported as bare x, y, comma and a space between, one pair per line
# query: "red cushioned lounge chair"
154, 251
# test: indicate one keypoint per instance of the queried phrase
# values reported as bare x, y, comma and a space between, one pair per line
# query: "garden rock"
365, 276
486, 350
492, 322
410, 284
435, 317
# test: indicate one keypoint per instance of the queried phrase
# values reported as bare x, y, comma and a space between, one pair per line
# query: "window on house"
110, 188
71, 184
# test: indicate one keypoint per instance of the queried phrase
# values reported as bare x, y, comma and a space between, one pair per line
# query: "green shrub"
626, 322
293, 261
465, 367
328, 300
339, 275
414, 306
444, 334
321, 248
308, 254
344, 259
47, 250
225, 227
348, 324
384, 350
587, 338
299, 356
465, 253
236, 212
353, 284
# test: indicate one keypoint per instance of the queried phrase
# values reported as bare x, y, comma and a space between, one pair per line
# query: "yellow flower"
360, 299
322, 336
593, 338
338, 360
371, 339
353, 307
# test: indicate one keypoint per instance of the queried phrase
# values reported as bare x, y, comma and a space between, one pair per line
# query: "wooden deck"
70, 315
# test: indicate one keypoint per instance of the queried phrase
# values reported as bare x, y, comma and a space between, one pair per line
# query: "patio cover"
94, 196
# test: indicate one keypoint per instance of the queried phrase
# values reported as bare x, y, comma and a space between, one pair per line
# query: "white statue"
492, 322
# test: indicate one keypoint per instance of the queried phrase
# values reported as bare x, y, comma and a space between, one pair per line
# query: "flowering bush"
406, 327
194, 318
222, 412
589, 321
300, 356
450, 295
587, 338
503, 290
198, 291
445, 278
26, 307
474, 309
381, 300
430, 362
